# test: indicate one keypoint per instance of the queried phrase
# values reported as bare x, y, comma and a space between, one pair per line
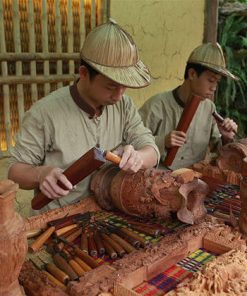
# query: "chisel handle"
76, 267
83, 264
112, 157
64, 266
39, 242
127, 247
54, 280
57, 273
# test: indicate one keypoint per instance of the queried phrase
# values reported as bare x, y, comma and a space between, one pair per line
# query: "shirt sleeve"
152, 116
135, 132
30, 140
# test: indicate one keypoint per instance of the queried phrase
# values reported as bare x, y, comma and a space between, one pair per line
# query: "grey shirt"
162, 112
60, 128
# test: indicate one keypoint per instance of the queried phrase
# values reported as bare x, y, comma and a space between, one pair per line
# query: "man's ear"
192, 74
83, 72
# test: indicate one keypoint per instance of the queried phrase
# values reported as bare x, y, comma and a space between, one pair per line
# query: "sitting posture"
94, 111
162, 112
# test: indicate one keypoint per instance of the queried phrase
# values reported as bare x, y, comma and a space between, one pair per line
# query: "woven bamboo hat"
211, 56
112, 52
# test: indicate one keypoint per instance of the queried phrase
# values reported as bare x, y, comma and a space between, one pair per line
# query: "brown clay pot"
13, 242
243, 197
231, 156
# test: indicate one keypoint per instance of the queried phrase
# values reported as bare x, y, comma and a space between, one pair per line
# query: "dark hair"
92, 72
197, 67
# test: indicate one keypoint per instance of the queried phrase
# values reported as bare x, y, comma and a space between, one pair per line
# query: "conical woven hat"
211, 56
112, 52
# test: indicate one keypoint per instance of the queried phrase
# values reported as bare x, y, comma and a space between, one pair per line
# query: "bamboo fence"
40, 41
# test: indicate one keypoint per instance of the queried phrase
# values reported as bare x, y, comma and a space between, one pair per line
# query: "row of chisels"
76, 244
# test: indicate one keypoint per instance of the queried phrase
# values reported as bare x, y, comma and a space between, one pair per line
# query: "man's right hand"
175, 139
48, 178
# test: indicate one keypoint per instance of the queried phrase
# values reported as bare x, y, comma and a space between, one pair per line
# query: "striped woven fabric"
119, 219
223, 199
170, 278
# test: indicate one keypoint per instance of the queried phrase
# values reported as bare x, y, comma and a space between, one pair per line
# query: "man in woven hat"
64, 125
161, 113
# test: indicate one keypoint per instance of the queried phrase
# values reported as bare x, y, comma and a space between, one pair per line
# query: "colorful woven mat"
119, 219
170, 278
223, 200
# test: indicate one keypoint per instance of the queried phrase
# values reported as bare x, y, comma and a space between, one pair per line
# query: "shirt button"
182, 158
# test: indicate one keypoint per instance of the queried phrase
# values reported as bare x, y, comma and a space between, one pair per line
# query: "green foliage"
231, 97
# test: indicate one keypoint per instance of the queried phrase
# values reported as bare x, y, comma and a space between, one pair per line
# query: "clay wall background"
165, 31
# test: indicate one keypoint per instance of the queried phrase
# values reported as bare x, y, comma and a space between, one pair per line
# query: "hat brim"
216, 69
136, 76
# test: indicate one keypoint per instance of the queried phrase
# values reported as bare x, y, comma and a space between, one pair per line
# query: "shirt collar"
82, 104
176, 97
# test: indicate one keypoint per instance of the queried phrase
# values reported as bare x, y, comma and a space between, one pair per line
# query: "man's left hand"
131, 160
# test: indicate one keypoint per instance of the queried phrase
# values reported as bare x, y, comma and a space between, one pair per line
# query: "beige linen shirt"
161, 113
60, 128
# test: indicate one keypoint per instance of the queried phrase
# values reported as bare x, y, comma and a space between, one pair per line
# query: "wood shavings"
226, 275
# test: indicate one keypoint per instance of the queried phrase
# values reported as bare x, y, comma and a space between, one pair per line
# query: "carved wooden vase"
13, 242
101, 183
149, 193
243, 197
231, 156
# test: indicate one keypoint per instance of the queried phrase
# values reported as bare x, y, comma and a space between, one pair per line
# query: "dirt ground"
23, 197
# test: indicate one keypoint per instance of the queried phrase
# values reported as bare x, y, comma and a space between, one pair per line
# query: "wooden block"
195, 243
40, 221
135, 278
164, 263
121, 290
215, 247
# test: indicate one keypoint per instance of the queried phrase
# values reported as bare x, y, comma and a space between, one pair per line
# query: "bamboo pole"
39, 79
4, 66
106, 10
93, 14
99, 10
58, 24
34, 89
17, 45
38, 56
45, 44
211, 21
70, 35
82, 23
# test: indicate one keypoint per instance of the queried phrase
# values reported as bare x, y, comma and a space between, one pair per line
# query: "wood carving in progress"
227, 167
152, 192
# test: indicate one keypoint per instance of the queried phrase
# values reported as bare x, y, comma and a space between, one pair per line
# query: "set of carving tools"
73, 245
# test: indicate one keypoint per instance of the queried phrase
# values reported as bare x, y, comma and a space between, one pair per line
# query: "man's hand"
131, 159
48, 178
175, 139
228, 129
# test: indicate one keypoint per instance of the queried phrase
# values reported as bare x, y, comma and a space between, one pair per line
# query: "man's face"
205, 84
103, 91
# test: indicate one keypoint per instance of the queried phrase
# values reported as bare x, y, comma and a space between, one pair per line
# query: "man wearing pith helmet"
161, 113
63, 126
